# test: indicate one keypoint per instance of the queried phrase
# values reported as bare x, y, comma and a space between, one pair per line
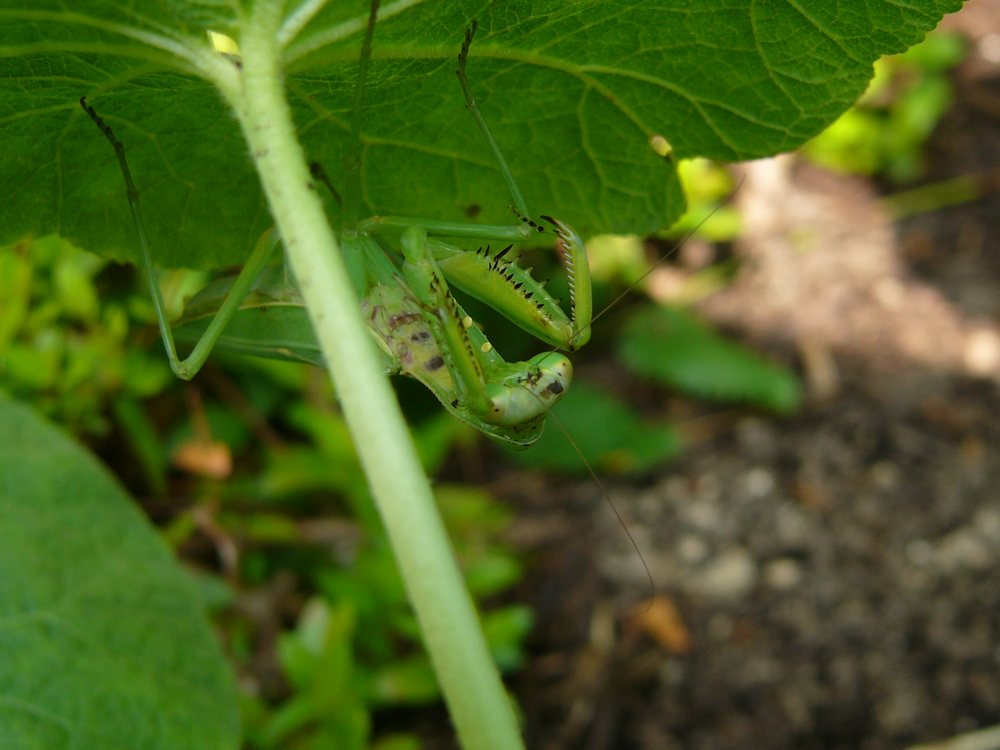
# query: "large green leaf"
574, 92
103, 641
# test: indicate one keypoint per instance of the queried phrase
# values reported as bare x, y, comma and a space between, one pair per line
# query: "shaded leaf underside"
573, 92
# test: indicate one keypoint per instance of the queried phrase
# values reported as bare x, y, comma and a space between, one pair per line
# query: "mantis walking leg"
188, 367
571, 333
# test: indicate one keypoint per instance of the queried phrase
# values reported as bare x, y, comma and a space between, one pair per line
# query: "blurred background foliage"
884, 134
303, 581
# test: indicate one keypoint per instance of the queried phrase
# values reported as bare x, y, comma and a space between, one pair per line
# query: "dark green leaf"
574, 91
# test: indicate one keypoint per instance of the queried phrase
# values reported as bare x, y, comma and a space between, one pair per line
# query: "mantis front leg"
511, 290
496, 280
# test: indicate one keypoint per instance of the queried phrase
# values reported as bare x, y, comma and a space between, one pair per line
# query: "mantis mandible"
401, 268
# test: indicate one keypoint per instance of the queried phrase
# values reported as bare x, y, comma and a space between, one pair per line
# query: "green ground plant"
62, 347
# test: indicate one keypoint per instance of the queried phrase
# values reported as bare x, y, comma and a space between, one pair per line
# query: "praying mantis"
402, 270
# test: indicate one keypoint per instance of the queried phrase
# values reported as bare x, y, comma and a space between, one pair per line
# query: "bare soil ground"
829, 580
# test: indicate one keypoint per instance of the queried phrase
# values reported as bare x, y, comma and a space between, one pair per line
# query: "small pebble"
963, 548
703, 515
727, 578
987, 523
783, 574
920, 552
759, 482
692, 549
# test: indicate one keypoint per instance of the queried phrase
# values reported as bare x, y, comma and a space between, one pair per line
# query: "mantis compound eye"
530, 392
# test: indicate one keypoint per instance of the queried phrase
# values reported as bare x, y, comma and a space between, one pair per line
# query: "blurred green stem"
952, 192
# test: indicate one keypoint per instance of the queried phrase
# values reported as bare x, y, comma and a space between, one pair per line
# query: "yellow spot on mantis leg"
486, 347
467, 321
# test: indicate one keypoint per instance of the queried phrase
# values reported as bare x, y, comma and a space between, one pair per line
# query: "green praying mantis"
402, 270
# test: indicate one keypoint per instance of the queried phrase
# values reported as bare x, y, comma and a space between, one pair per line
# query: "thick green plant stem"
480, 708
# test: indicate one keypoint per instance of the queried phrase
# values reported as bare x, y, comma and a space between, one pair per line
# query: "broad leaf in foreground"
103, 640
